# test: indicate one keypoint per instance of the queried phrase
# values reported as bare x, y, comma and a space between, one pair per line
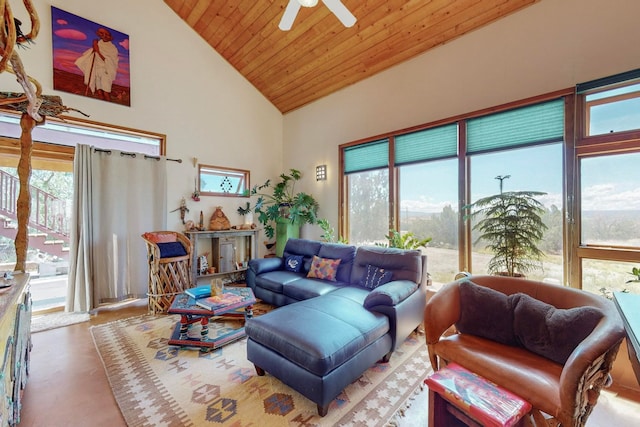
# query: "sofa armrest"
263, 265
390, 294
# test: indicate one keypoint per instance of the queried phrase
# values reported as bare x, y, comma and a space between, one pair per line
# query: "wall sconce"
321, 173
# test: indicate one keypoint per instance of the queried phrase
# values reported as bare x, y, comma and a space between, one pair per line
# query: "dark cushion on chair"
171, 249
551, 332
486, 313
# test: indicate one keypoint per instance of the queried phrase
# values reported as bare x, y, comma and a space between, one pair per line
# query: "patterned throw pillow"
375, 276
293, 263
324, 268
160, 237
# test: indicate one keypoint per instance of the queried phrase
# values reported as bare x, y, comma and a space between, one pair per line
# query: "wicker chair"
169, 275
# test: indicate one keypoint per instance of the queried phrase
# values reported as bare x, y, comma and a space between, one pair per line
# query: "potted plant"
635, 272
405, 240
282, 211
329, 233
511, 224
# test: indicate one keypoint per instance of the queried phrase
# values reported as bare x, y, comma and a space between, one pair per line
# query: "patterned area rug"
160, 385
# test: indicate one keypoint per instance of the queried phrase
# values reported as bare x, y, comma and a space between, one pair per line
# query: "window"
607, 153
438, 169
428, 194
218, 181
522, 165
611, 104
609, 204
614, 110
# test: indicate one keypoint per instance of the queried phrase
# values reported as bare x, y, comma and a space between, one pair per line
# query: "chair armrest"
263, 265
390, 294
590, 362
442, 312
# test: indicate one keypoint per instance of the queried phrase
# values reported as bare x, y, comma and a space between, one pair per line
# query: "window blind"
537, 123
607, 81
368, 156
429, 144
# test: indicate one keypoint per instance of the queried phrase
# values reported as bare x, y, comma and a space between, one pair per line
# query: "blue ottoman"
319, 346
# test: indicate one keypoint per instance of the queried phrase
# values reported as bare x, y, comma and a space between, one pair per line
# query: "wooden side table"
458, 397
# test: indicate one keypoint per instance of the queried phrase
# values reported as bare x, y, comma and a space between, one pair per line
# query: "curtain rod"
146, 156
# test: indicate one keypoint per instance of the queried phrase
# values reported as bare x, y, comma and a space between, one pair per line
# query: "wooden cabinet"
226, 252
15, 341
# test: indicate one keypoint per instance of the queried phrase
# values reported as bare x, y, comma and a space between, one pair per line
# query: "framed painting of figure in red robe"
90, 59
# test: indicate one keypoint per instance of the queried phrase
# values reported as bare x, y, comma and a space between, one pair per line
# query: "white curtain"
117, 197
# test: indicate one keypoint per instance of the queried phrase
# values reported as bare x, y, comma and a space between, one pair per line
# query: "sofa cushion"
375, 276
486, 313
404, 264
318, 334
305, 288
304, 247
551, 332
390, 294
293, 263
323, 268
345, 253
275, 280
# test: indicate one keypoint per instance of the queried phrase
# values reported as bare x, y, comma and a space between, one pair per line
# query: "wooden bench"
458, 397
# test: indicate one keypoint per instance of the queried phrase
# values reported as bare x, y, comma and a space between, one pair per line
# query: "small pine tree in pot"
511, 224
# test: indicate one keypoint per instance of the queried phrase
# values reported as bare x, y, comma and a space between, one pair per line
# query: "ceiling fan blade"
341, 12
289, 15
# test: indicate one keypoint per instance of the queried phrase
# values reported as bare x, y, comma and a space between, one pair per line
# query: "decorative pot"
284, 230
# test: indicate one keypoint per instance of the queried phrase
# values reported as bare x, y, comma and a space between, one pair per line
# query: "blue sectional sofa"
329, 330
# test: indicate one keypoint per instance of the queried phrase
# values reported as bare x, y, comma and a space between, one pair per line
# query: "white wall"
549, 46
179, 87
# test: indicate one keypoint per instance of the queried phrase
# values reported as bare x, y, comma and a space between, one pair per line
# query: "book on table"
231, 298
199, 291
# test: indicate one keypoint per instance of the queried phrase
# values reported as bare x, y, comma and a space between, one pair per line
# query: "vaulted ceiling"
319, 56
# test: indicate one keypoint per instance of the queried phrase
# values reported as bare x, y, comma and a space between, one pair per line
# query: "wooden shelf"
224, 249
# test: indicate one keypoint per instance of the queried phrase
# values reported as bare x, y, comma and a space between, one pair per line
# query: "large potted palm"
282, 211
510, 223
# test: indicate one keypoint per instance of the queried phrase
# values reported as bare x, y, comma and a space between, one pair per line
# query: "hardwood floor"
67, 385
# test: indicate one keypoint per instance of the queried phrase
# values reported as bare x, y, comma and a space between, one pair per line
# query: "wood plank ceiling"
319, 56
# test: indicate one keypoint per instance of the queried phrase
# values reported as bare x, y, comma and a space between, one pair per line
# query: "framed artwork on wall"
90, 59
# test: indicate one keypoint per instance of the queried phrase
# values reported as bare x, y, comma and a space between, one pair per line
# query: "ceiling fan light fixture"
308, 3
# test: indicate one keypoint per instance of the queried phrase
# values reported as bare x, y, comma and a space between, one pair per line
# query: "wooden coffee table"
190, 313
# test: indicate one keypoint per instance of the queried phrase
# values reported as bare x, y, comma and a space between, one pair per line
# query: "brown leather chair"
566, 392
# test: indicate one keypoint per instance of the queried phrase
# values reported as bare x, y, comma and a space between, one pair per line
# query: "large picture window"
436, 171
579, 146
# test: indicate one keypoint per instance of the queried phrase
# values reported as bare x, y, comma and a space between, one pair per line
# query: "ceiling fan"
335, 6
